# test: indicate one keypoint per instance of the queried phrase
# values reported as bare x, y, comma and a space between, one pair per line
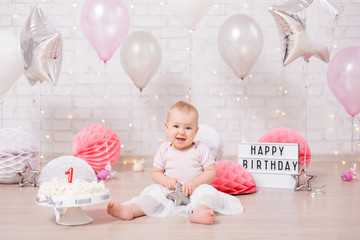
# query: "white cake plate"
74, 214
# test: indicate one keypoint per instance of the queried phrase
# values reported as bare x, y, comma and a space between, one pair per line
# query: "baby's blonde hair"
181, 105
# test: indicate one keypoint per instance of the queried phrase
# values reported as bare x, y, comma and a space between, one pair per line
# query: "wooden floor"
269, 213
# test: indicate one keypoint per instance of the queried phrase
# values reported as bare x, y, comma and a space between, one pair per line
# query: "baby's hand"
189, 187
171, 183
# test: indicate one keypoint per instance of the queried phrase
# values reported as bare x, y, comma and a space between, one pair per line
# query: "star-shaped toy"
178, 196
306, 181
22, 180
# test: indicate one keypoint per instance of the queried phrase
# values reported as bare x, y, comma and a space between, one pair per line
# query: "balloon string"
190, 64
305, 110
352, 135
106, 118
2, 110
39, 97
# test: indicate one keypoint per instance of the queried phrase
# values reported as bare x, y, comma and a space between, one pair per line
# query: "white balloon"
211, 138
190, 12
240, 43
10, 62
140, 57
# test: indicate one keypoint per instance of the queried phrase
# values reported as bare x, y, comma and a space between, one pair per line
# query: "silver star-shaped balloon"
306, 180
41, 49
178, 196
22, 180
292, 29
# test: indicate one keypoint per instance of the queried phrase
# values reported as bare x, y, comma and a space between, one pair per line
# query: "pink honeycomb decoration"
286, 135
232, 178
97, 145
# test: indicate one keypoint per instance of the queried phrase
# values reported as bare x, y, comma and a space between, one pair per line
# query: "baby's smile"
180, 139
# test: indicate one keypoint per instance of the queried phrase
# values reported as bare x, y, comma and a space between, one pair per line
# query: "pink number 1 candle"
70, 173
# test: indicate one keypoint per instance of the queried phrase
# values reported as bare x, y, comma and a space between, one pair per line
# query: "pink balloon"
343, 77
105, 24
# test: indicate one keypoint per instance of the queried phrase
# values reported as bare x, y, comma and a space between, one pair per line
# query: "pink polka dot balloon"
286, 135
232, 178
97, 145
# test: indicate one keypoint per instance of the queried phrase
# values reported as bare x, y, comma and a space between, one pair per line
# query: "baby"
180, 161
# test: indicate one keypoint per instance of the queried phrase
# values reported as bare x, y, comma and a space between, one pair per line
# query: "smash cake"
77, 193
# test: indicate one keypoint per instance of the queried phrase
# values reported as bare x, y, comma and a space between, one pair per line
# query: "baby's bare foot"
203, 215
123, 212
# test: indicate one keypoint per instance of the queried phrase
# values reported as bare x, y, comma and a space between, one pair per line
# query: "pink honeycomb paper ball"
232, 178
286, 135
97, 145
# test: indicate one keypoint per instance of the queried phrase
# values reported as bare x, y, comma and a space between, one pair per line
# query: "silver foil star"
306, 180
178, 196
22, 180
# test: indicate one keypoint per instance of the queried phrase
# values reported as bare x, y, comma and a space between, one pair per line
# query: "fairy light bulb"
70, 116
15, 15
220, 94
74, 5
103, 120
343, 162
130, 124
336, 152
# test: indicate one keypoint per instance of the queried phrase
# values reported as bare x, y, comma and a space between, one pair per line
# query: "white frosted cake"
79, 192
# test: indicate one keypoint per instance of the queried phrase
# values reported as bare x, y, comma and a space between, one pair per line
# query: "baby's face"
181, 128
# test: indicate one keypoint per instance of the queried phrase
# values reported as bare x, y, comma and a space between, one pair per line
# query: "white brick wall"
238, 110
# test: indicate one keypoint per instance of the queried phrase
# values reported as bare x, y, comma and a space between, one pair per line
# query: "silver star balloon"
23, 171
291, 22
41, 49
306, 183
178, 196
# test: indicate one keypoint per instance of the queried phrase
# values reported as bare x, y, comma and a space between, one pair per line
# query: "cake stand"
74, 214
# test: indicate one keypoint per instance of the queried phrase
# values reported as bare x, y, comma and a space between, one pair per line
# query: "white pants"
153, 201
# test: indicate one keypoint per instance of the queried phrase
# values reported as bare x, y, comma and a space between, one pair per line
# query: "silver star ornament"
291, 22
306, 183
24, 180
41, 49
178, 196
